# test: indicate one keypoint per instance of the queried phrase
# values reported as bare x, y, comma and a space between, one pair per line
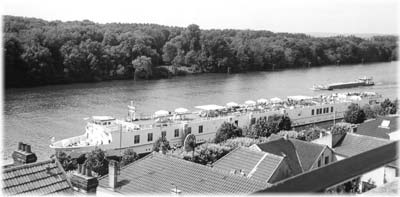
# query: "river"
34, 115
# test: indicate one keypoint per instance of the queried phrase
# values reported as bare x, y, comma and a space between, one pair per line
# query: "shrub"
227, 131
354, 114
128, 157
96, 160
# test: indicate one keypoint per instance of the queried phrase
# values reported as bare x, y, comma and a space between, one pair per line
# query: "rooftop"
380, 127
301, 155
158, 173
327, 176
354, 144
39, 178
257, 165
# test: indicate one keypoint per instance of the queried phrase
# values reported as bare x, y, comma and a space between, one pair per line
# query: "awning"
276, 100
298, 98
262, 101
250, 102
161, 113
210, 107
181, 110
232, 104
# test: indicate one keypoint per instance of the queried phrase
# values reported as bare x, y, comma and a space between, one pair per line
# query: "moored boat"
364, 81
140, 132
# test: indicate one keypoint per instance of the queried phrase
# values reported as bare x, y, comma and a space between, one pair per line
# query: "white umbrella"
276, 100
262, 101
250, 102
232, 104
181, 110
161, 113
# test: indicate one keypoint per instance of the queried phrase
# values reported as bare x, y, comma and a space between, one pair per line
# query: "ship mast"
132, 111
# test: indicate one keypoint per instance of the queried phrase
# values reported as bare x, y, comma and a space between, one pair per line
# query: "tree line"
39, 52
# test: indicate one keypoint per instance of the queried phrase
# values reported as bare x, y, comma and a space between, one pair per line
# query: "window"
319, 162
326, 159
137, 139
327, 110
312, 112
237, 122
163, 134
201, 129
331, 109
253, 121
150, 137
189, 130
317, 111
176, 133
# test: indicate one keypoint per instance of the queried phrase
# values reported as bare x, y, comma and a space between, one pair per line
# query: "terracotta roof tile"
156, 173
35, 179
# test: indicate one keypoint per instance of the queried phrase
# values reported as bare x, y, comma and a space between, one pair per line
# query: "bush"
389, 107
208, 153
313, 133
354, 114
292, 134
161, 144
243, 142
369, 113
128, 157
264, 128
66, 162
227, 131
96, 160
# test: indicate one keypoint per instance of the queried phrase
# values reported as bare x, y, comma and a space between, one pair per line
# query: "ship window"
331, 109
201, 129
176, 134
327, 110
150, 137
312, 112
163, 134
326, 159
137, 139
317, 111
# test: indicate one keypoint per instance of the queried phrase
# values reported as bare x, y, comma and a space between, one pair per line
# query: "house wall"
281, 172
375, 176
327, 153
324, 140
390, 174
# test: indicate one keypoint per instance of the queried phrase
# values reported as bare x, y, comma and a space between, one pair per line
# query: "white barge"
139, 133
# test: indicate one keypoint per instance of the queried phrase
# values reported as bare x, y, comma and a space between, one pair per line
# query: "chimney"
83, 181
113, 173
23, 155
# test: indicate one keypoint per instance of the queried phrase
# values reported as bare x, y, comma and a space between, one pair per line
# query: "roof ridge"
27, 165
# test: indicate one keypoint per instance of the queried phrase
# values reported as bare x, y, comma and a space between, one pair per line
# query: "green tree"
143, 67
161, 144
369, 113
128, 157
226, 131
389, 107
354, 114
96, 160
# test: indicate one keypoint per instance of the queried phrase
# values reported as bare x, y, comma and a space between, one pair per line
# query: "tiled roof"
372, 128
301, 155
257, 165
308, 152
158, 173
37, 178
334, 173
284, 148
353, 144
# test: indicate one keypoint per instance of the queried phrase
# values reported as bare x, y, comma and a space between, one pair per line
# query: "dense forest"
38, 52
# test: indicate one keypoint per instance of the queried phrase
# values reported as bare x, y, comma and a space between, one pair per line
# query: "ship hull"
348, 85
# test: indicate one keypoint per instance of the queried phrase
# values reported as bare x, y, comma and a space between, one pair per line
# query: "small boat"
364, 81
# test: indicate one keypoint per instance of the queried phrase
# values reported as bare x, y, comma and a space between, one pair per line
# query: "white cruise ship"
139, 133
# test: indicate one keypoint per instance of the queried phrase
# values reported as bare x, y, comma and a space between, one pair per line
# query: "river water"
34, 115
